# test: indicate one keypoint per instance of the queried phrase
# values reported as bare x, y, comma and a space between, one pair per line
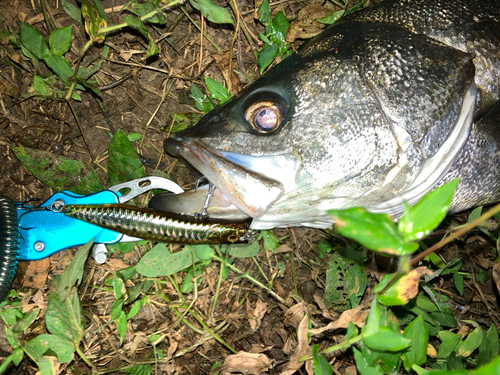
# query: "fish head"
349, 120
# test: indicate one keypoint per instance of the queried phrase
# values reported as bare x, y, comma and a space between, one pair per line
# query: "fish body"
377, 110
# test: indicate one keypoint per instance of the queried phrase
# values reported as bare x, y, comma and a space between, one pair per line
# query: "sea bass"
375, 111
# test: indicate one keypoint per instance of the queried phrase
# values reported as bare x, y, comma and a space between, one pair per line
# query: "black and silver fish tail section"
9, 244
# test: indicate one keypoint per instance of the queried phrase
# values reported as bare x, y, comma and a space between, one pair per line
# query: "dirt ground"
246, 317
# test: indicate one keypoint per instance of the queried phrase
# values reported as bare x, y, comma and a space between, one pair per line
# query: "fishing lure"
155, 225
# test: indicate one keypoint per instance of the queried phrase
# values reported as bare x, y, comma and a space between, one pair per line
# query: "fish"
375, 111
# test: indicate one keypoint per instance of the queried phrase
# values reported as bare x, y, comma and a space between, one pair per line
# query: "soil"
246, 317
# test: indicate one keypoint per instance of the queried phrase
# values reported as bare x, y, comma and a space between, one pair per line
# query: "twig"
198, 27
492, 211
236, 11
81, 131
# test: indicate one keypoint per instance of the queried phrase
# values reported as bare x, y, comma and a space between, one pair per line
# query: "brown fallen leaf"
244, 363
408, 285
294, 314
305, 25
356, 315
431, 351
256, 313
302, 348
33, 274
496, 275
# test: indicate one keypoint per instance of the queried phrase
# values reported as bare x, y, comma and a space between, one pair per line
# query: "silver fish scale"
466, 25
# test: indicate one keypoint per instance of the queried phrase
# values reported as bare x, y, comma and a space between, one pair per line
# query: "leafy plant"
273, 37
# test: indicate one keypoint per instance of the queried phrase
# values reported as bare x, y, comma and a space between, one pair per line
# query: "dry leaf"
356, 315
408, 285
39, 301
245, 363
302, 348
305, 25
258, 313
496, 275
295, 314
33, 274
431, 351
351, 370
282, 249
290, 345
54, 364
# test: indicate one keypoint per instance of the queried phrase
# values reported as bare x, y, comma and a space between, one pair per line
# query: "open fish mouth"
238, 189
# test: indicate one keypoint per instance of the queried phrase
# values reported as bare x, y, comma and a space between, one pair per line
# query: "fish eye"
232, 238
266, 116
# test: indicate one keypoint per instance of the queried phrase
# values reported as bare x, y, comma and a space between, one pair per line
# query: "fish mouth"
250, 193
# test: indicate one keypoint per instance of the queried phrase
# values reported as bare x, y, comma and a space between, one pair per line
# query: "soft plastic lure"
158, 225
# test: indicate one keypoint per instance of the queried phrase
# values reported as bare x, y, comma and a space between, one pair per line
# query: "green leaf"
448, 345
40, 85
372, 320
475, 214
121, 326
418, 333
116, 309
217, 90
426, 215
375, 231
212, 11
458, 280
60, 40
331, 18
134, 310
72, 11
25, 322
16, 356
265, 13
346, 279
74, 272
160, 262
139, 369
320, 364
48, 365
271, 241
64, 318
124, 163
203, 252
181, 121
471, 343
143, 9
492, 337
188, 284
134, 137
244, 250
95, 20
324, 247
362, 364
119, 288
60, 66
37, 347
58, 172
280, 27
266, 56
11, 315
387, 340
33, 41
201, 102
485, 355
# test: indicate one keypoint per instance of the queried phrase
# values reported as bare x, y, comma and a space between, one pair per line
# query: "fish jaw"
249, 192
